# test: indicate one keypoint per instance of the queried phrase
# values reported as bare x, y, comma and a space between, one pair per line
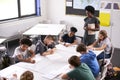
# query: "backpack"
6, 61
112, 74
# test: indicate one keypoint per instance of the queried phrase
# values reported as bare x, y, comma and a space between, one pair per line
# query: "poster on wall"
116, 6
107, 5
81, 4
104, 19
77, 7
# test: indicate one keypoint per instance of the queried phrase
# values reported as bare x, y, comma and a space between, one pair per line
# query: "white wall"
17, 26
56, 13
54, 10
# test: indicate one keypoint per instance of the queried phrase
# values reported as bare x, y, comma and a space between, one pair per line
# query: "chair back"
79, 39
111, 52
106, 62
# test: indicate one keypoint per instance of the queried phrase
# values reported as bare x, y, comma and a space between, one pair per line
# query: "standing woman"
91, 25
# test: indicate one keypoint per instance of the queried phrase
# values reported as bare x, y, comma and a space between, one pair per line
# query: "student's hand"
67, 44
15, 75
29, 58
32, 61
46, 53
89, 47
50, 51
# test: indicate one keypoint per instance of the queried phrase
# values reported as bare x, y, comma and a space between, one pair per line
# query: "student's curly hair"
74, 61
26, 41
90, 9
27, 75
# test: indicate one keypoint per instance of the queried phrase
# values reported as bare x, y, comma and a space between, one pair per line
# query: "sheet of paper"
98, 52
37, 58
54, 56
58, 72
8, 72
52, 75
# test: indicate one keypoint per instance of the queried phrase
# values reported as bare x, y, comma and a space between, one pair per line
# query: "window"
11, 9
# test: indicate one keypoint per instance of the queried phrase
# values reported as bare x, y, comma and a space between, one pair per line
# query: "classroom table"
46, 67
2, 47
2, 39
45, 29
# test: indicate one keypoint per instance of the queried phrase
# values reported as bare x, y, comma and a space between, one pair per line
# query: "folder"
104, 19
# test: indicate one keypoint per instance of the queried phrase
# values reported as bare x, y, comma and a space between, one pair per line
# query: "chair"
46, 22
111, 52
6, 61
79, 39
105, 63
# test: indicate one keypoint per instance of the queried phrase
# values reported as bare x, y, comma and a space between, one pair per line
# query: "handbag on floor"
112, 74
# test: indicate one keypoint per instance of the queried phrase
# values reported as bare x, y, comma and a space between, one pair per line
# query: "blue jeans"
101, 56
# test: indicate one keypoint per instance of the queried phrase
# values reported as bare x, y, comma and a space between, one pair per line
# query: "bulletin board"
77, 7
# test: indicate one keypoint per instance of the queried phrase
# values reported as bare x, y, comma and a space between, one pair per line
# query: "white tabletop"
45, 29
46, 67
2, 39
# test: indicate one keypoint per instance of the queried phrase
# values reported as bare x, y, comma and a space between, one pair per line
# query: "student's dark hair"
73, 29
81, 47
74, 61
27, 75
50, 37
90, 9
26, 41
104, 33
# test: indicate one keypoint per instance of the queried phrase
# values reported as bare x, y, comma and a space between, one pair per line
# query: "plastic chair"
105, 63
79, 39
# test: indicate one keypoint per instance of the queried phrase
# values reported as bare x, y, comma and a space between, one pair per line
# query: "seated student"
69, 37
42, 47
103, 43
23, 52
89, 58
80, 70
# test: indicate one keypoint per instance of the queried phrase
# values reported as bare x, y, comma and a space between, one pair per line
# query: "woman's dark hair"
81, 47
74, 61
90, 9
26, 41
